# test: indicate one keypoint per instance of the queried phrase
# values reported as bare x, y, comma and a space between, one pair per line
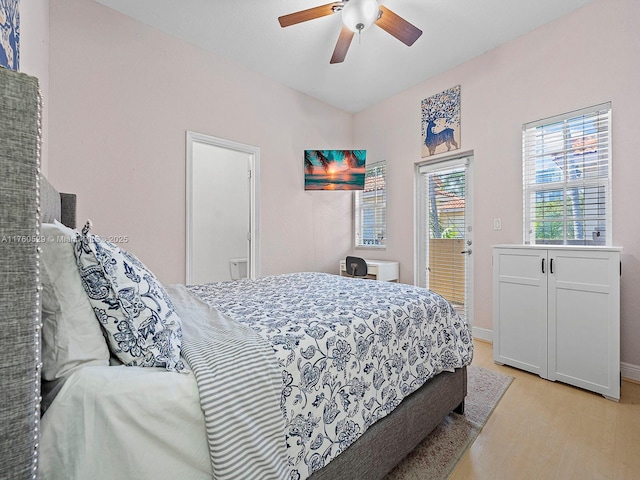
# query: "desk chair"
356, 267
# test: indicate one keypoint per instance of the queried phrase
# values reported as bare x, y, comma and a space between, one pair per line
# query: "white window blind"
567, 178
371, 208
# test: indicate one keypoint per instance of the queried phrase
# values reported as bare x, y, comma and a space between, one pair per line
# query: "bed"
304, 375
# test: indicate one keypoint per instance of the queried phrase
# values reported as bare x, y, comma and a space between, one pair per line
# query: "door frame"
422, 228
254, 192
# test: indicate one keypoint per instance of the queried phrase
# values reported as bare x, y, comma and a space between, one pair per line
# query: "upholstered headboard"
56, 206
19, 275
26, 199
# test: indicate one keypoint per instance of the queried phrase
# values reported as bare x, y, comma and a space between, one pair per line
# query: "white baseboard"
630, 371
482, 334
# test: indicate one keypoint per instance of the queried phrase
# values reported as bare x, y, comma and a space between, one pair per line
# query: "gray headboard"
19, 275
56, 206
26, 199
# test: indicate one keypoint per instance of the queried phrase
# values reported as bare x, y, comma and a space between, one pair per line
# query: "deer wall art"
441, 122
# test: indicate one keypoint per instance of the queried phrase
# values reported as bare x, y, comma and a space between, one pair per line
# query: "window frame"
535, 151
358, 210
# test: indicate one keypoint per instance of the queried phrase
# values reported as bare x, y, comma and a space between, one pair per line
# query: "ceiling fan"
357, 16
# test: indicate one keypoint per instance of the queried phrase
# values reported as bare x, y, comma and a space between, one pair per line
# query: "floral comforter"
350, 350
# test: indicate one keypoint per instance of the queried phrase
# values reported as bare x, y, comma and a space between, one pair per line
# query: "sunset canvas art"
334, 169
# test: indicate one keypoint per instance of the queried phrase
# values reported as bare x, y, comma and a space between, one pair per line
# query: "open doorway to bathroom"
222, 184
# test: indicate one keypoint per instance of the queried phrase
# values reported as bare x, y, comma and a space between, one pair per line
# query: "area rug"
438, 454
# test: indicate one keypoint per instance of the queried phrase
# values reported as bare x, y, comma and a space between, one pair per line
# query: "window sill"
370, 247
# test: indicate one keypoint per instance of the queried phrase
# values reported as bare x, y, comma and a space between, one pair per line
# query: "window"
566, 178
371, 208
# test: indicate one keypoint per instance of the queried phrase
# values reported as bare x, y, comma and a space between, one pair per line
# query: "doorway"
222, 211
445, 231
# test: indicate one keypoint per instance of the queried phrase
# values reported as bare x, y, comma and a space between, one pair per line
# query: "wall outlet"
497, 224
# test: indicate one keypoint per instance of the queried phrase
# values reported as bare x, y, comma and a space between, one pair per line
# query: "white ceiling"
376, 67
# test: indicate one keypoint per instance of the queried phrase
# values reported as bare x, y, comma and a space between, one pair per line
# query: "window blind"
566, 178
371, 208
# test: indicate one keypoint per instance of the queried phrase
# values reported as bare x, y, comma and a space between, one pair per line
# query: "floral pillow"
136, 314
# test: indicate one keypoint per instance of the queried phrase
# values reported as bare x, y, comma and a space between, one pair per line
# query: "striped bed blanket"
239, 384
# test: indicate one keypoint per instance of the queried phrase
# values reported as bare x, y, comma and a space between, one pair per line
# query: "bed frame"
28, 199
390, 439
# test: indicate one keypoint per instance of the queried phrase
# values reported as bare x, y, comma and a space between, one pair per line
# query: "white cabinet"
556, 313
383, 270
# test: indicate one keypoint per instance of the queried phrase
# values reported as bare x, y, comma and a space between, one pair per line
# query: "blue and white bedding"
221, 420
286, 372
349, 351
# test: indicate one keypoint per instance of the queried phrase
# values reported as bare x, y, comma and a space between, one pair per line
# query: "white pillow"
138, 317
71, 337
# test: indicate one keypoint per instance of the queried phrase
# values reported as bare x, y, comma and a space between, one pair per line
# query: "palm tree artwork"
334, 169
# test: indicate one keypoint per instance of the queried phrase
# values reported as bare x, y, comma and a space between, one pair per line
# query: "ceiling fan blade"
309, 14
344, 42
398, 27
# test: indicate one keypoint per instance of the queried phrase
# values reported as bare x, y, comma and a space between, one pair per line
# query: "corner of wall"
630, 372
483, 334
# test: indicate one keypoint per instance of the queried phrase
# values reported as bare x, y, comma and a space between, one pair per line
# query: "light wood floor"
548, 430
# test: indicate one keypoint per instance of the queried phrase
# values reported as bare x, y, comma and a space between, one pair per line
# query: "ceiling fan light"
358, 15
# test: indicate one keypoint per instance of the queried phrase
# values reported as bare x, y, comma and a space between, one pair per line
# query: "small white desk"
383, 270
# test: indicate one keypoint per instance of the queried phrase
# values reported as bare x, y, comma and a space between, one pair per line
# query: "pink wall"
589, 57
34, 58
122, 96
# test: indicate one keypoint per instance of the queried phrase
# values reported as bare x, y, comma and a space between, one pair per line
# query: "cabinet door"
520, 308
584, 326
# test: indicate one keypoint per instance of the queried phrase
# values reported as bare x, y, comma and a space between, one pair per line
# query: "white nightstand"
383, 270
